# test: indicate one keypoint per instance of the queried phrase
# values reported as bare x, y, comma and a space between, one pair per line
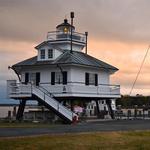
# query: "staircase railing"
55, 104
45, 91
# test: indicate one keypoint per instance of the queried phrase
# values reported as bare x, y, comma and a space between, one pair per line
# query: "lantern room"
65, 27
65, 37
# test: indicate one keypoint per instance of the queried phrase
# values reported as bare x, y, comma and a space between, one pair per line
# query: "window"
33, 78
50, 53
59, 77
42, 53
91, 79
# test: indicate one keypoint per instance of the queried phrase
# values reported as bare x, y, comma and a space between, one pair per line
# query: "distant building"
61, 73
31, 113
8, 111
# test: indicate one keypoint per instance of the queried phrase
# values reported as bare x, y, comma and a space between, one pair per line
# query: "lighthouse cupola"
65, 27
65, 37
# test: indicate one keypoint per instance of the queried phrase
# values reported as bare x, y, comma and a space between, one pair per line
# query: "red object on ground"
75, 119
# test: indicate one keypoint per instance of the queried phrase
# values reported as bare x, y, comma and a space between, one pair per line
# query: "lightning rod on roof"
71, 16
86, 35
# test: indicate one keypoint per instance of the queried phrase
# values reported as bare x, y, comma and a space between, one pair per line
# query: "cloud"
126, 21
10, 53
118, 32
27, 20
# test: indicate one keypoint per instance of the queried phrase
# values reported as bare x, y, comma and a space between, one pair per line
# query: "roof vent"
65, 21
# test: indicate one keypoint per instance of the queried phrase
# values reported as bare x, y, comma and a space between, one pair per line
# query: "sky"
119, 34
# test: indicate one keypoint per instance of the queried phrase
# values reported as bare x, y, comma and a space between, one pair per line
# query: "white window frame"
32, 77
42, 56
58, 78
91, 79
50, 53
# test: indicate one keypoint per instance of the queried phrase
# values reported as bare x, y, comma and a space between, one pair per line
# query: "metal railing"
70, 88
48, 98
81, 88
59, 35
19, 88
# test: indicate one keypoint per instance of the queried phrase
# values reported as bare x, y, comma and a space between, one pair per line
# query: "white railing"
70, 88
59, 35
46, 93
80, 88
19, 88
47, 98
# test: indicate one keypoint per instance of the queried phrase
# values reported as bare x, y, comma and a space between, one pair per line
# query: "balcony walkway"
18, 90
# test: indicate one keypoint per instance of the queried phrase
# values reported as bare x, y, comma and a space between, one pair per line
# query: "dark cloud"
26, 20
105, 20
29, 20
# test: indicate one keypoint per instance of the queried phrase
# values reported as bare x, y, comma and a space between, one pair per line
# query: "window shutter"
86, 78
26, 78
64, 77
96, 80
37, 78
52, 78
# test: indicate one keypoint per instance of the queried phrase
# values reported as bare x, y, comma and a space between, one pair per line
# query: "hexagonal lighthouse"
62, 74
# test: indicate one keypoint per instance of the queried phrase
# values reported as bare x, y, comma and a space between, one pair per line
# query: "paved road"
120, 125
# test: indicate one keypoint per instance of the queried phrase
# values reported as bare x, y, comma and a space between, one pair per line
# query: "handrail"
59, 104
59, 35
83, 83
18, 88
44, 95
101, 89
63, 32
98, 90
51, 95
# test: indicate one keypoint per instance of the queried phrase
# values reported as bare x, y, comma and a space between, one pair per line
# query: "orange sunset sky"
119, 34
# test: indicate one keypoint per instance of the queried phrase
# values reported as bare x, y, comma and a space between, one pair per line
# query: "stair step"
52, 103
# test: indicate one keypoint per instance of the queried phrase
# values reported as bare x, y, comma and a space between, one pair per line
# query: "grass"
131, 140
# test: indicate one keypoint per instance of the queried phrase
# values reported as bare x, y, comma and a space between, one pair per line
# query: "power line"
139, 70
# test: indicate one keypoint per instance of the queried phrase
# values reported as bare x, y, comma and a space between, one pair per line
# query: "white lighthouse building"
62, 73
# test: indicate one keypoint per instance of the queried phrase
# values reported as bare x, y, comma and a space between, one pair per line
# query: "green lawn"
136, 140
